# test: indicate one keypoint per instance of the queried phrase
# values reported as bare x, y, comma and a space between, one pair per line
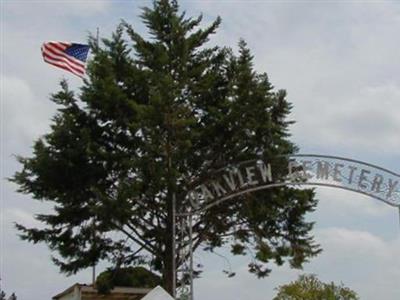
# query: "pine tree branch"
141, 243
146, 242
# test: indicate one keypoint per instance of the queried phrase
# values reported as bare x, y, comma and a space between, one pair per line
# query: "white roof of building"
90, 289
158, 294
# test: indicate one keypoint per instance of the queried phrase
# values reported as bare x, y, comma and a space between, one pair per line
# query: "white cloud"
25, 117
338, 61
84, 8
364, 262
359, 243
335, 202
367, 119
27, 272
16, 215
59, 8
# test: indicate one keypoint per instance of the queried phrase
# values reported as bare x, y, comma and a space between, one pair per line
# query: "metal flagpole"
97, 36
191, 254
173, 250
172, 218
94, 264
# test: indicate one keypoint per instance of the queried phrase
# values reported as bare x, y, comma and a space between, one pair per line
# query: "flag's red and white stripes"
53, 53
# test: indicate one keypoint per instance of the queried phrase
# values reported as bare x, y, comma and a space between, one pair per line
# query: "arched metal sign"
301, 170
293, 170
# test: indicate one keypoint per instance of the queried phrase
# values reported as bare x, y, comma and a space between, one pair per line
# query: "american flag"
68, 56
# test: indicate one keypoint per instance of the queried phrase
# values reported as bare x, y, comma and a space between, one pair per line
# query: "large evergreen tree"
154, 115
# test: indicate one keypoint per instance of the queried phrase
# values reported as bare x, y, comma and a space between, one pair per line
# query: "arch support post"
399, 215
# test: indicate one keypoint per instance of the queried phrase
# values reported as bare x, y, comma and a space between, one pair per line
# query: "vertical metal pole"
173, 255
94, 234
399, 215
191, 254
94, 245
94, 275
97, 37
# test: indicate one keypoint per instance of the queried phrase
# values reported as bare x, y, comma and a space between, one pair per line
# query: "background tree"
12, 297
137, 277
309, 287
153, 116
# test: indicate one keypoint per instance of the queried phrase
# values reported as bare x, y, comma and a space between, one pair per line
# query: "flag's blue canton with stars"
78, 51
68, 56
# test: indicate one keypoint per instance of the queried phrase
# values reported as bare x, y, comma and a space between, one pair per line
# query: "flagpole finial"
97, 37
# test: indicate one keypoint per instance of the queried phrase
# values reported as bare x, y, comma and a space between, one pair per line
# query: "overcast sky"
339, 62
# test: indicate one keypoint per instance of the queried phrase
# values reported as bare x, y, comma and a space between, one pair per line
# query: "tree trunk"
168, 275
169, 272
